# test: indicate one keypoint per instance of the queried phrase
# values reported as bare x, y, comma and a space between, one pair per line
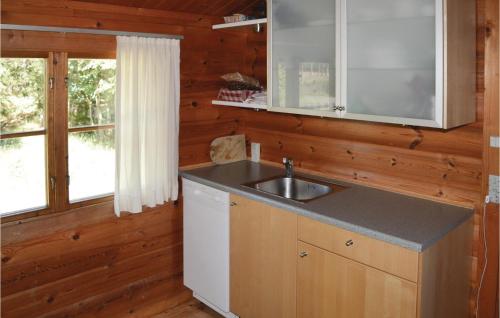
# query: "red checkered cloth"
234, 96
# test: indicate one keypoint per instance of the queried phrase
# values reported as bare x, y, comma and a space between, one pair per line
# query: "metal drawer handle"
233, 204
303, 254
349, 243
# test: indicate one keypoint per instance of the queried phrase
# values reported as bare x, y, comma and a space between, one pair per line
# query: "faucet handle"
287, 160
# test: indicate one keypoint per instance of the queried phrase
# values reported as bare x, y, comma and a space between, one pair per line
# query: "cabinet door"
303, 62
263, 246
329, 285
389, 52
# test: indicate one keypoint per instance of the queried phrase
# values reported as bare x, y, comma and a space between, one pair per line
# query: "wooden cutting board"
228, 149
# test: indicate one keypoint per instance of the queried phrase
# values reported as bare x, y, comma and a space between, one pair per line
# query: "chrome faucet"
288, 162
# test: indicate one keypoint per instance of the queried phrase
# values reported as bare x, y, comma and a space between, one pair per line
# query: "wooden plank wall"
445, 166
432, 163
87, 262
489, 292
205, 55
217, 8
46, 258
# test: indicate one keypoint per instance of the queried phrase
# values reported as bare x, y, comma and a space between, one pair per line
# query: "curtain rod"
87, 31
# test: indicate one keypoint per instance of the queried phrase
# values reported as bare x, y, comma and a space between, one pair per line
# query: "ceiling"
207, 7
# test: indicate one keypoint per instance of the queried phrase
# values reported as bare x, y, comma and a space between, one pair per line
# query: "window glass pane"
91, 93
22, 174
22, 94
91, 164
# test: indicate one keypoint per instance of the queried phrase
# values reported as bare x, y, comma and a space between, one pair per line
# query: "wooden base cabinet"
329, 285
263, 253
349, 275
284, 265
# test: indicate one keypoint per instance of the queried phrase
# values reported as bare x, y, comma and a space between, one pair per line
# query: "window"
23, 164
91, 116
57, 133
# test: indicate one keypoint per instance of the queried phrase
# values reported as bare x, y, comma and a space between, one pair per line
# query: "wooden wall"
87, 262
489, 291
47, 258
445, 166
432, 163
205, 55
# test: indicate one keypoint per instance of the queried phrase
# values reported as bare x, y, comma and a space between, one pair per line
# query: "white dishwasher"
206, 244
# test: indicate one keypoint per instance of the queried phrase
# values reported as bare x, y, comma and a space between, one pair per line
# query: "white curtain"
147, 122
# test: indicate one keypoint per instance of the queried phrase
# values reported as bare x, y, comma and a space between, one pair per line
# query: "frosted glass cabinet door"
303, 54
390, 58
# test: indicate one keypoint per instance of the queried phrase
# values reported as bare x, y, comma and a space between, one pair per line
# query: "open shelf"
238, 24
238, 104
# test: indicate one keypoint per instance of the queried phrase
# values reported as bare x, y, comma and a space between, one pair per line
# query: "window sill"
91, 201
24, 214
29, 215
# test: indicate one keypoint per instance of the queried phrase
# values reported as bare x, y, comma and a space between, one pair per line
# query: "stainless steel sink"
295, 188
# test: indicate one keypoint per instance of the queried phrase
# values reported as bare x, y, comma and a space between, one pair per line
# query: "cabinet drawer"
329, 285
387, 257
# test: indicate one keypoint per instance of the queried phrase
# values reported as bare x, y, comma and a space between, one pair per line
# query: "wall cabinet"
284, 265
408, 62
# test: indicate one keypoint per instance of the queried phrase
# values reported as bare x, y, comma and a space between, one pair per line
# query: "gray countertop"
403, 220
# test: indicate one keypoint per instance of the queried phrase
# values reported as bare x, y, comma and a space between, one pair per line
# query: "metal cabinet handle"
303, 254
233, 204
349, 243
338, 108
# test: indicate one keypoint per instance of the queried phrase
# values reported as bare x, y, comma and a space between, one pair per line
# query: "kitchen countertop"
409, 222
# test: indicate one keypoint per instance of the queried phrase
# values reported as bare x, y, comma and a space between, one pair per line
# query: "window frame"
56, 133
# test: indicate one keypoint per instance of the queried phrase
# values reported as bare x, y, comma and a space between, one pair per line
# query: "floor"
190, 309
